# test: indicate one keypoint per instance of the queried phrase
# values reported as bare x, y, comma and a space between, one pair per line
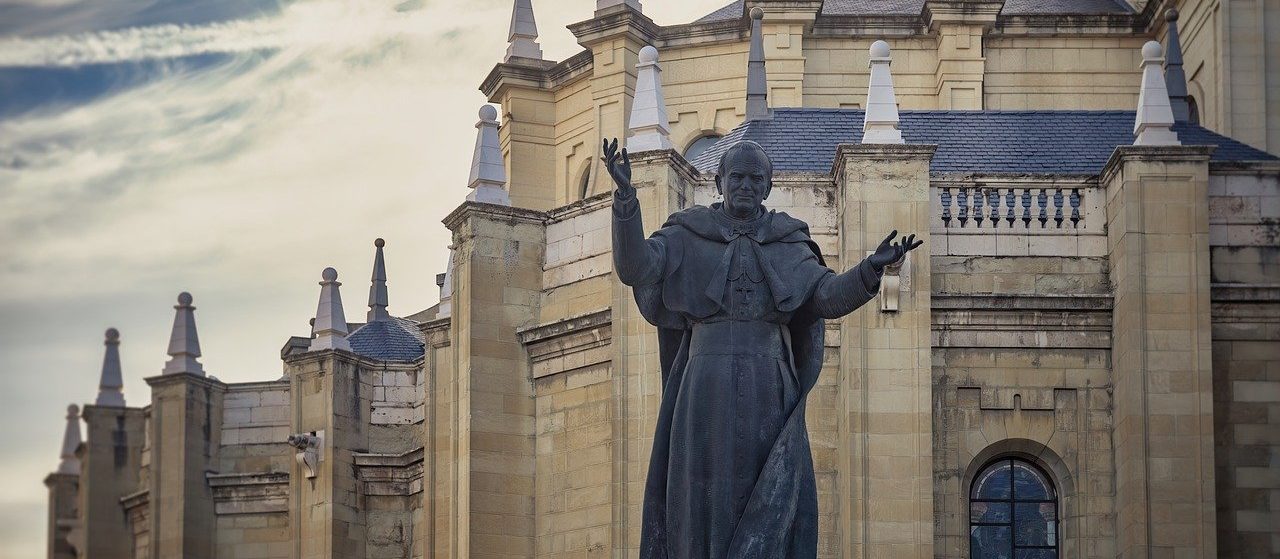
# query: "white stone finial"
635, 4
184, 343
70, 442
757, 81
522, 39
378, 287
488, 174
648, 123
111, 384
1154, 123
446, 291
880, 120
330, 326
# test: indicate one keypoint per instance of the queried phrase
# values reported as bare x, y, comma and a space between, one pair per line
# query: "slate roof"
1023, 142
397, 339
915, 7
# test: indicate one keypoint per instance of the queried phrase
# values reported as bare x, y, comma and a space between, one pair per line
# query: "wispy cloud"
313, 130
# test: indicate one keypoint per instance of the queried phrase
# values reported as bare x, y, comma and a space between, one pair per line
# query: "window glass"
698, 146
1013, 512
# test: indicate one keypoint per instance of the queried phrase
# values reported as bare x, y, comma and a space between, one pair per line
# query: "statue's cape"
779, 517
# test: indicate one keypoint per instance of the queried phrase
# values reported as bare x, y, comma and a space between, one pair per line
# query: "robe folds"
739, 308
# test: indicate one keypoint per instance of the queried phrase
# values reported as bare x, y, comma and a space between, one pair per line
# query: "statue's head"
744, 178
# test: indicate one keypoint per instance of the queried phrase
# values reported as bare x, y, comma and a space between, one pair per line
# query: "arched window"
584, 183
1194, 109
699, 145
1013, 512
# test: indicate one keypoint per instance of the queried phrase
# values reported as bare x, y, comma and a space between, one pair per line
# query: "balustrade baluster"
979, 199
1075, 207
1042, 200
945, 194
1057, 205
1026, 207
963, 196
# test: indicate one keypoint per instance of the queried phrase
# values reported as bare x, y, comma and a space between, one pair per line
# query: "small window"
585, 184
698, 146
1013, 512
1193, 110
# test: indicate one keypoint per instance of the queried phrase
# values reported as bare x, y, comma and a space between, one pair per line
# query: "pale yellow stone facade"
1134, 358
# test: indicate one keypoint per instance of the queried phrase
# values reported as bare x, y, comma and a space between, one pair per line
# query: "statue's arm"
636, 260
839, 294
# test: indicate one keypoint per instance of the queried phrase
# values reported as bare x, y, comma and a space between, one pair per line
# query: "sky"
232, 149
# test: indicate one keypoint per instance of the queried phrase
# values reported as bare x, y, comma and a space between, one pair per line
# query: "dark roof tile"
1037, 142
397, 339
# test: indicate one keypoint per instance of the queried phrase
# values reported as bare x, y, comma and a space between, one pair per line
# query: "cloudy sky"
230, 148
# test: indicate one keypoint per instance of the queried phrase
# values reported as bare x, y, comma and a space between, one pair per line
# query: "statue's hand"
619, 166
889, 252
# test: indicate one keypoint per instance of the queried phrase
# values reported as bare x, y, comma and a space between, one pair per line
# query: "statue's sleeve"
636, 260
839, 294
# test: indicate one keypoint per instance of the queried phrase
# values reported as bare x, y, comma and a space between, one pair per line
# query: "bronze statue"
738, 294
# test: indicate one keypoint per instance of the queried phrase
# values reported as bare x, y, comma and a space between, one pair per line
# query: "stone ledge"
1155, 153
549, 330
468, 210
135, 499
249, 493
390, 474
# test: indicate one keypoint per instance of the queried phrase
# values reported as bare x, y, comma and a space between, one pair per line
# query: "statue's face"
745, 183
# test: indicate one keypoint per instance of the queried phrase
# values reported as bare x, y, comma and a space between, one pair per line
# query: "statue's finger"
916, 244
626, 158
892, 234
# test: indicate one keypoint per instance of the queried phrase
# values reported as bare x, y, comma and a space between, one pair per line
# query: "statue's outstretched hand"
619, 166
889, 252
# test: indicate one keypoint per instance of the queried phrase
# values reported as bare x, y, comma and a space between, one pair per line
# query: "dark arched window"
1013, 512
584, 183
698, 146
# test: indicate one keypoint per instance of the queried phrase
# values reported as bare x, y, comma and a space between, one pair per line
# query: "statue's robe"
739, 308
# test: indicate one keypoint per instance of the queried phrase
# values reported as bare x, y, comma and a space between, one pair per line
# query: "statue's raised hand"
619, 166
889, 251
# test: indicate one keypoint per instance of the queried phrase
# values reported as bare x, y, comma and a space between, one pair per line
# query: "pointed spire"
184, 343
648, 122
378, 290
488, 175
880, 120
757, 83
70, 442
1174, 77
330, 326
1153, 125
111, 385
522, 40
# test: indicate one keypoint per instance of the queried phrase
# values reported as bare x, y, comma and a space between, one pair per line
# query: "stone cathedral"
1082, 361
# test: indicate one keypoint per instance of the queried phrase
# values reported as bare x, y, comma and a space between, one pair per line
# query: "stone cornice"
136, 499
470, 210
249, 493
1160, 153
55, 477
174, 378
1031, 180
584, 206
845, 152
612, 22
543, 75
351, 358
984, 12
571, 325
390, 474
1022, 321
672, 158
